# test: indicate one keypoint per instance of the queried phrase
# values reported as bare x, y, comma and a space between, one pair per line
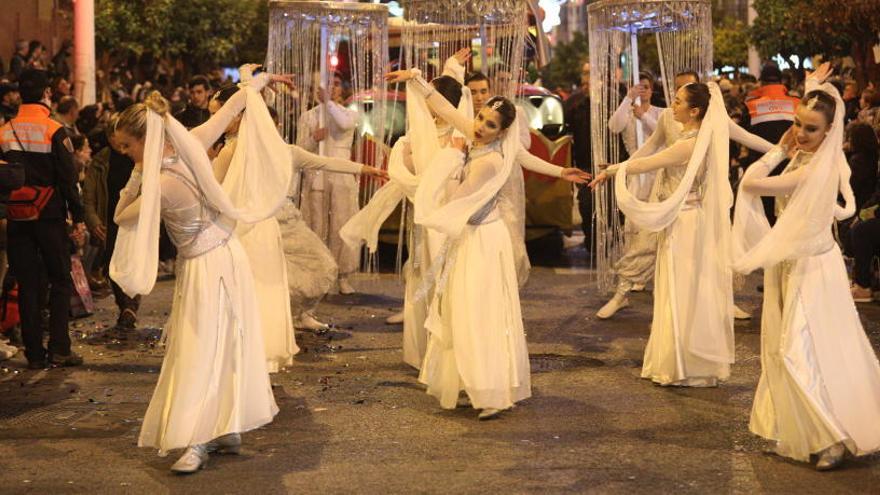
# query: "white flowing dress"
292, 267
476, 340
680, 306
214, 379
691, 341
820, 378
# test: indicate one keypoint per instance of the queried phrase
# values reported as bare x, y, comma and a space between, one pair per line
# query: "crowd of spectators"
34, 81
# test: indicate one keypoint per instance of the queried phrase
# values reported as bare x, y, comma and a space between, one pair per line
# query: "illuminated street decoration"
683, 32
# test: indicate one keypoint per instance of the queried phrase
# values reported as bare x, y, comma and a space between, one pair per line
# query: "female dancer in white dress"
691, 342
409, 159
476, 341
636, 266
265, 245
213, 384
819, 392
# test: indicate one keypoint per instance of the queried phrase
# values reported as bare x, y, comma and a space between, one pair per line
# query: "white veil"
421, 135
451, 217
711, 149
260, 187
804, 228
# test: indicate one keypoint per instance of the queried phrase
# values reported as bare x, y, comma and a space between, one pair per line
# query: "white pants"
328, 202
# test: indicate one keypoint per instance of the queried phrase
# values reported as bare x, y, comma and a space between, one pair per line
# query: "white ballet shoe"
638, 287
345, 287
194, 458
488, 413
741, 314
395, 319
831, 458
309, 322
226, 444
618, 302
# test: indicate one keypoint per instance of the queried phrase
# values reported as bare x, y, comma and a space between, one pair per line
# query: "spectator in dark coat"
196, 112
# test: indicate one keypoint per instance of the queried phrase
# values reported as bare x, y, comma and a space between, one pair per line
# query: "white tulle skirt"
820, 379
263, 245
681, 309
311, 268
476, 340
213, 379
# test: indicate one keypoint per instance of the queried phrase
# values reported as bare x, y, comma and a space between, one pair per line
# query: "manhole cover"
557, 362
56, 415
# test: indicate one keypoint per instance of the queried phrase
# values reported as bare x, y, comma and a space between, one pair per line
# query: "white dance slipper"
345, 287
489, 413
395, 319
618, 302
861, 294
226, 444
193, 459
831, 458
309, 322
741, 314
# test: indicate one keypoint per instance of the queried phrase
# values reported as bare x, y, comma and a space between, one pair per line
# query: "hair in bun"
133, 120
157, 103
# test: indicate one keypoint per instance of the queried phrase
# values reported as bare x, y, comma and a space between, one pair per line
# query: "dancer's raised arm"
436, 102
209, 132
756, 180
620, 118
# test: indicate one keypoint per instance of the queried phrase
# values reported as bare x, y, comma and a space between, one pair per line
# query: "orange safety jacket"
43, 147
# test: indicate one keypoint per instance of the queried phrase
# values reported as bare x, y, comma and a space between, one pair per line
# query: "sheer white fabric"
476, 342
214, 379
804, 234
410, 157
636, 266
695, 190
820, 378
513, 204
290, 263
256, 193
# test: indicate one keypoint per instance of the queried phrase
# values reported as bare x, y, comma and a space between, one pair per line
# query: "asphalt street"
354, 418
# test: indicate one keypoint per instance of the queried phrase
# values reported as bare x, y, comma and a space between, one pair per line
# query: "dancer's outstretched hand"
576, 175
246, 72
601, 178
821, 73
374, 172
399, 76
282, 79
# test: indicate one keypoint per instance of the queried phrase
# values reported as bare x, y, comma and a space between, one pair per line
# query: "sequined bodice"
195, 228
670, 178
